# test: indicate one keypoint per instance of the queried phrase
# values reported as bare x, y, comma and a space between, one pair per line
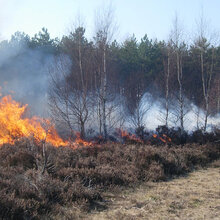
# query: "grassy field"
195, 196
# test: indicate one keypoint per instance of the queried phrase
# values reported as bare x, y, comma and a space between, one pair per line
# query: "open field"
196, 196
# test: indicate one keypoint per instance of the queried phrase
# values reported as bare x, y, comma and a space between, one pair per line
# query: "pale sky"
151, 17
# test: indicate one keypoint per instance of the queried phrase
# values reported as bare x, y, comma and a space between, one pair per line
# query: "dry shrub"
28, 193
76, 178
215, 164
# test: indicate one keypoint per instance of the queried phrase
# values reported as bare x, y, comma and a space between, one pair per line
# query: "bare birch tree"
105, 29
167, 52
207, 62
179, 46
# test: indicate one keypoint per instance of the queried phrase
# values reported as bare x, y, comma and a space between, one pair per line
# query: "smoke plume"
24, 74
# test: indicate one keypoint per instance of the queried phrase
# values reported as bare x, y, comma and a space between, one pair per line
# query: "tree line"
100, 83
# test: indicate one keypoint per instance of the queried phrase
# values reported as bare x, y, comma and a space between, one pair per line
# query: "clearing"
195, 196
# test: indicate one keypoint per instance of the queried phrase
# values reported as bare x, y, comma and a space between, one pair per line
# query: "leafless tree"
71, 82
178, 45
168, 59
167, 76
105, 28
207, 61
138, 114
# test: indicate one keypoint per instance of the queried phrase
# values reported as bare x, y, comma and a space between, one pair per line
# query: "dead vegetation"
76, 179
195, 196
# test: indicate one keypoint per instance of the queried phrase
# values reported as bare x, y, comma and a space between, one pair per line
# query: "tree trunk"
104, 94
206, 85
167, 90
179, 77
218, 98
82, 129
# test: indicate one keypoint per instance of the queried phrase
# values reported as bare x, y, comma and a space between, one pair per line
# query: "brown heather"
33, 186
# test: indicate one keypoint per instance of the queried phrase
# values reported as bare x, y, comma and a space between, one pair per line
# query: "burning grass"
14, 126
35, 184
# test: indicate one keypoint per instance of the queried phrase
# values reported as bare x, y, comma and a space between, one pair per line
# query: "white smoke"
194, 118
24, 75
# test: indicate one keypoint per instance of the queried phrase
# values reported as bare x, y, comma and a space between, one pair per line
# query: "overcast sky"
151, 17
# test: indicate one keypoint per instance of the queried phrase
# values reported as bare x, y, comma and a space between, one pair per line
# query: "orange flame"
80, 142
13, 126
130, 137
164, 139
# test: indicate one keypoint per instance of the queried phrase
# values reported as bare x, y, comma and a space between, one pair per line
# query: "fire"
129, 137
164, 138
80, 142
167, 138
14, 127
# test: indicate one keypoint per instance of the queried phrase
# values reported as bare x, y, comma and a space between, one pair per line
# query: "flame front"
80, 142
129, 137
14, 127
164, 139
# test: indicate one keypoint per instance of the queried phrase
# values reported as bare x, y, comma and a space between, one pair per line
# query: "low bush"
179, 137
33, 185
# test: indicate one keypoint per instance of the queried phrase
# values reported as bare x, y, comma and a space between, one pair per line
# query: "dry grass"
196, 196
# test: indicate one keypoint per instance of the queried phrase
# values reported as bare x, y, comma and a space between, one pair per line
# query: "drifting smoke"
193, 119
24, 74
